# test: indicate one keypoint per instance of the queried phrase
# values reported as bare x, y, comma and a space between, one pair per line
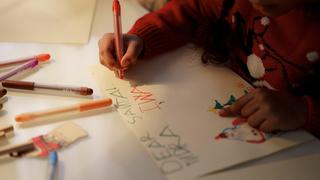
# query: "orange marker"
86, 106
11, 62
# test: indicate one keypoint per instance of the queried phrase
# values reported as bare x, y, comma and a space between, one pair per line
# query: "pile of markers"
28, 63
13, 67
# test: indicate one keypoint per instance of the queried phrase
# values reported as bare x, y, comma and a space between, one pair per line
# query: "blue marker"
53, 162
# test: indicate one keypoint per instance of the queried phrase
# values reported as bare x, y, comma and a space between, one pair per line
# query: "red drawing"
145, 100
241, 131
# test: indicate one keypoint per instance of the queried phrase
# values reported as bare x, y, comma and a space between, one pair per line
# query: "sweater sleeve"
313, 119
173, 25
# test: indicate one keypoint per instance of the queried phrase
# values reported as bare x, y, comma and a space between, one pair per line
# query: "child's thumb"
130, 57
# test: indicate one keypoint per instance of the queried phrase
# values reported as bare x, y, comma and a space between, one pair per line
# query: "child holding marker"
272, 44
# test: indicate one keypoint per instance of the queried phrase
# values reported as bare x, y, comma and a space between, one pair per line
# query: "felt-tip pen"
11, 62
81, 107
28, 65
32, 86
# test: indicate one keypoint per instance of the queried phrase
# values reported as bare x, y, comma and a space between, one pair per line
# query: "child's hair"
312, 10
216, 37
152, 5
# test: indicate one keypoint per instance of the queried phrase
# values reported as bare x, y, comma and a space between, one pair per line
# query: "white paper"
49, 21
170, 103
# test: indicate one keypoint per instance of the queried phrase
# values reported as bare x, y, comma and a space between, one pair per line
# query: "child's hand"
269, 110
133, 46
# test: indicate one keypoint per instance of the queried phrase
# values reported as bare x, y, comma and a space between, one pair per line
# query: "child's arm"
174, 24
159, 31
170, 27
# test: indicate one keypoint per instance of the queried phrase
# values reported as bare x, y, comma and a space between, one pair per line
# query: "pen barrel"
53, 162
85, 106
37, 114
25, 85
18, 84
29, 64
68, 89
12, 62
118, 30
95, 104
25, 147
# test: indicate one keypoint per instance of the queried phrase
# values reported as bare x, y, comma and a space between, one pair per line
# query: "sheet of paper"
171, 104
48, 21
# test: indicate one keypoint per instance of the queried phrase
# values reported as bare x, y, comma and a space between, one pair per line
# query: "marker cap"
42, 57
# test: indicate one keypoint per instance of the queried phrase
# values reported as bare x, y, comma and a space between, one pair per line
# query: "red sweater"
283, 53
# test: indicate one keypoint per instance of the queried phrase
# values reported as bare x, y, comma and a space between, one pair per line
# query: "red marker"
118, 34
11, 62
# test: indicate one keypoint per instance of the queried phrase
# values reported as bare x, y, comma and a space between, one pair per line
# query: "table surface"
111, 151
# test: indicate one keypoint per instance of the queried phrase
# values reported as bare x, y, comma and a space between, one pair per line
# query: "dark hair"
312, 10
216, 37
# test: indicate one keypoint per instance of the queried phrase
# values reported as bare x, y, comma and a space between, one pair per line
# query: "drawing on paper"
241, 131
216, 106
123, 105
145, 100
169, 150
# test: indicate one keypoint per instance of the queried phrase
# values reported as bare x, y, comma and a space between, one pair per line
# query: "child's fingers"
106, 50
266, 126
109, 62
235, 109
249, 108
225, 112
256, 119
131, 55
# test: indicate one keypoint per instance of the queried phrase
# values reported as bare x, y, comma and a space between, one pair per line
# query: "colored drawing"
216, 106
241, 131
